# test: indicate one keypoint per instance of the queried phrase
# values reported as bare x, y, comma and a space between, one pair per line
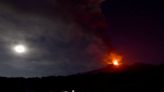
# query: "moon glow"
20, 49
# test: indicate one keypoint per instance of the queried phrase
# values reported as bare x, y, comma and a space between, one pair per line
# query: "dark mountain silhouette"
136, 67
135, 77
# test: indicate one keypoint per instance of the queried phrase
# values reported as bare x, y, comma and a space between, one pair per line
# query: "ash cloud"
63, 36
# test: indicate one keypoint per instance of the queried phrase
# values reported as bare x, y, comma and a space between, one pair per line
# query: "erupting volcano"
112, 58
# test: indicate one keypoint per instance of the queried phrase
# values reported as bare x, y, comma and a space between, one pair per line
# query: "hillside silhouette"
136, 77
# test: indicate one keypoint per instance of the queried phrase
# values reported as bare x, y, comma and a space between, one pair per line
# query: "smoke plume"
64, 36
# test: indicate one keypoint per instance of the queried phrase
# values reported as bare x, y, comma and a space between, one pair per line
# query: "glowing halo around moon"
20, 49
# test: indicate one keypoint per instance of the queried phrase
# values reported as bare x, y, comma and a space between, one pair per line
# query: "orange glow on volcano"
113, 58
115, 62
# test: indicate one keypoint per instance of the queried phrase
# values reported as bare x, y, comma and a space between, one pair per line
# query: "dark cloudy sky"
68, 36
62, 37
137, 29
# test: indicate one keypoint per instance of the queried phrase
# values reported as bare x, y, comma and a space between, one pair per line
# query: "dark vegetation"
109, 79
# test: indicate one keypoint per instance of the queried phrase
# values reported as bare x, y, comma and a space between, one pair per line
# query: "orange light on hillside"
113, 58
115, 62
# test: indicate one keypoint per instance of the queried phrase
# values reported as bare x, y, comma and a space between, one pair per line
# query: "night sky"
65, 37
137, 29
61, 37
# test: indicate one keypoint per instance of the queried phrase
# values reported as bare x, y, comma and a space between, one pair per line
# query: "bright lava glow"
20, 49
115, 62
112, 58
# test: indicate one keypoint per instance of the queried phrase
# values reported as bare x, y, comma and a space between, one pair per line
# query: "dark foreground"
110, 79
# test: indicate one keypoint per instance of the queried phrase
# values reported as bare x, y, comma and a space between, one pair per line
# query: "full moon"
20, 49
